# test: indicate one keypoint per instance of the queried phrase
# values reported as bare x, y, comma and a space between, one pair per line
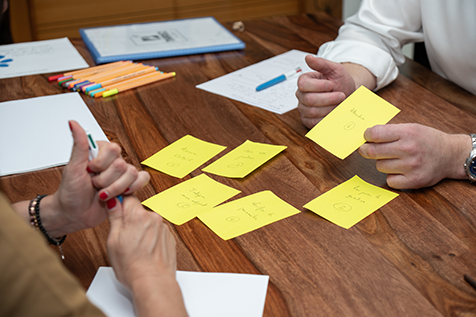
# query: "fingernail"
342, 97
111, 203
70, 126
128, 189
89, 170
103, 196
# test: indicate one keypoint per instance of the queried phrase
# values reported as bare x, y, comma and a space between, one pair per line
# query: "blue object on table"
278, 79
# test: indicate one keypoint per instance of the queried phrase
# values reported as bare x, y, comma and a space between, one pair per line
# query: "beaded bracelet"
35, 221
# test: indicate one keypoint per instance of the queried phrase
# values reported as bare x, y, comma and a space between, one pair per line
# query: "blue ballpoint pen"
278, 79
93, 152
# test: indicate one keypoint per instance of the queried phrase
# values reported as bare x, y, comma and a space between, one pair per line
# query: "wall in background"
47, 19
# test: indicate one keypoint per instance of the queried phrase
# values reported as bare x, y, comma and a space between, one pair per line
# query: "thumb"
322, 65
80, 151
115, 214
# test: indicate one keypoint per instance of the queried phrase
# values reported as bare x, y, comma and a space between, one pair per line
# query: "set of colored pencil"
110, 79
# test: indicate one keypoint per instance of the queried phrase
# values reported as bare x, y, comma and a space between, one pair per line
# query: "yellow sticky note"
341, 132
350, 202
246, 214
184, 201
183, 156
244, 159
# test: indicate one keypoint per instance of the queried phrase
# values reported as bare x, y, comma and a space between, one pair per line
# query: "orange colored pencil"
135, 84
65, 81
116, 80
96, 68
119, 70
64, 76
127, 81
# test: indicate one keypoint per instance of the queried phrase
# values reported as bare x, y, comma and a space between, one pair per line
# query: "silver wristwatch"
470, 164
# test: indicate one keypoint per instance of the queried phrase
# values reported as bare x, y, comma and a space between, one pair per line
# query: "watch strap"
473, 142
469, 160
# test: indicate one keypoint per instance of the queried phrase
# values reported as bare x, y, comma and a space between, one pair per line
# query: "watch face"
472, 167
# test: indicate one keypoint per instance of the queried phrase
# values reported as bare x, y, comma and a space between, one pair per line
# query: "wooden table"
406, 259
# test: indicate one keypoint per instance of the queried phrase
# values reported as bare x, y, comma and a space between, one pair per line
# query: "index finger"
382, 133
313, 82
108, 152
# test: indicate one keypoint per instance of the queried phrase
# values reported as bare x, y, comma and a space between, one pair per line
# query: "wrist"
462, 149
158, 295
52, 216
361, 76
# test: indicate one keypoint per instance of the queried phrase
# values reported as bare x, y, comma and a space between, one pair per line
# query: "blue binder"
159, 39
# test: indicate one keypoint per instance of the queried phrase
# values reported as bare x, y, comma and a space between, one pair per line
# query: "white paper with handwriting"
241, 84
205, 294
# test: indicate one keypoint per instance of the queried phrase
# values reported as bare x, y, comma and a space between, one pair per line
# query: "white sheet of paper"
35, 134
205, 294
241, 84
39, 57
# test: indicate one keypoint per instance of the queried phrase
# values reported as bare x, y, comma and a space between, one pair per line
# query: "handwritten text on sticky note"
350, 202
246, 214
183, 156
341, 132
243, 159
184, 201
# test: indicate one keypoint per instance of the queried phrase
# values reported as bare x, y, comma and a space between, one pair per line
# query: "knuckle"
159, 219
414, 164
391, 182
415, 182
298, 94
372, 153
306, 99
120, 165
374, 133
380, 166
132, 170
114, 147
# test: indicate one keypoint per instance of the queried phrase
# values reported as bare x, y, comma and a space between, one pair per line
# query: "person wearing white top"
367, 52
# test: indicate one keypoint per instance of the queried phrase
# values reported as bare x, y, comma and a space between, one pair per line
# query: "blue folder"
159, 39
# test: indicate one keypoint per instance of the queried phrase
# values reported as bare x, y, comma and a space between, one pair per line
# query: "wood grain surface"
406, 259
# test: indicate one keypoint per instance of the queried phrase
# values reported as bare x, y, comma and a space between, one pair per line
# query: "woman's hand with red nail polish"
87, 186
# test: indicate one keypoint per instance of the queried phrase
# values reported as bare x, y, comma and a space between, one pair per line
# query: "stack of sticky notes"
200, 196
110, 79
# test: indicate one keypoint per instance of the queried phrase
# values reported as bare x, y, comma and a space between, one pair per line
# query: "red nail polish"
128, 189
70, 126
111, 203
89, 170
103, 196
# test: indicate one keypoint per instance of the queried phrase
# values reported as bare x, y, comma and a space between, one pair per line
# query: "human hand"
414, 155
321, 91
87, 185
142, 252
